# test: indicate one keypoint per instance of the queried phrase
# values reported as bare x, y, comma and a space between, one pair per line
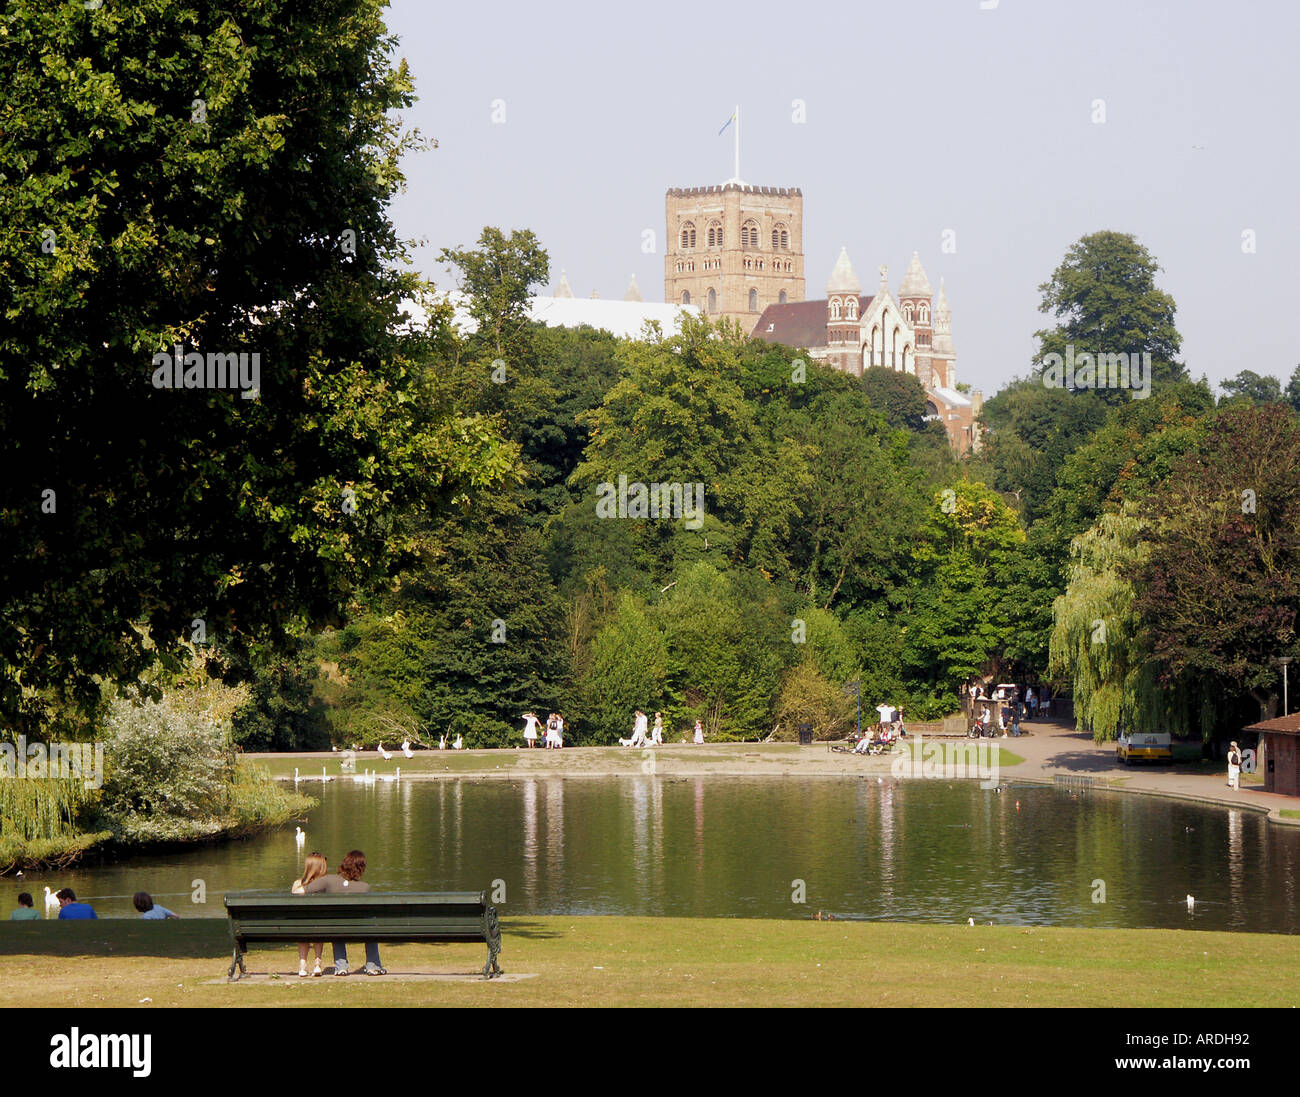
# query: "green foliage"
807, 697
1098, 645
1248, 387
1105, 301
134, 220
897, 395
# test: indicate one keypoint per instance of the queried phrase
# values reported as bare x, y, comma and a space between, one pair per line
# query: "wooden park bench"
265, 917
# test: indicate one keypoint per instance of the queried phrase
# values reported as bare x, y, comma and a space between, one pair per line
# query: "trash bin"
805, 735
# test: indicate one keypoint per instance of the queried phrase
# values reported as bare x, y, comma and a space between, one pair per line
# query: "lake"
862, 848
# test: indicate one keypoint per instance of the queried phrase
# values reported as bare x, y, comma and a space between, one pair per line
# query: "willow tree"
1097, 643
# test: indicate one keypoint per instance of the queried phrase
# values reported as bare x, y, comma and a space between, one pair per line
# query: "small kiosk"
1278, 756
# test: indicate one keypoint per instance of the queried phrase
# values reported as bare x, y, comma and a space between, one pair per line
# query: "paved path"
1052, 750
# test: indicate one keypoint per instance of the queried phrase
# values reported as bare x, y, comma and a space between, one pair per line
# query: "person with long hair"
313, 869
348, 882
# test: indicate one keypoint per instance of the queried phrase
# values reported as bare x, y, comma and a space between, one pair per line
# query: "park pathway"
1053, 750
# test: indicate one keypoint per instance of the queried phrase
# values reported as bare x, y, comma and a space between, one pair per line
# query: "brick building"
910, 332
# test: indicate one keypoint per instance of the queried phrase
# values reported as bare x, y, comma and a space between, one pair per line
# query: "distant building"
734, 249
625, 319
910, 333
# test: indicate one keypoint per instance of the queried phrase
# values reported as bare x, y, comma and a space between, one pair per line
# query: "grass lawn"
612, 961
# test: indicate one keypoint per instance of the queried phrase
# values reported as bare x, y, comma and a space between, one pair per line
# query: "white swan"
406, 748
442, 742
300, 836
459, 744
385, 754
51, 900
1191, 902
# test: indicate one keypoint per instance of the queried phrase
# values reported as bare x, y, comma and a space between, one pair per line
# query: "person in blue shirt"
26, 911
70, 908
145, 905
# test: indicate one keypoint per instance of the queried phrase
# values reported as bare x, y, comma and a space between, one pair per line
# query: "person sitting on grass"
348, 882
26, 911
313, 869
143, 902
69, 908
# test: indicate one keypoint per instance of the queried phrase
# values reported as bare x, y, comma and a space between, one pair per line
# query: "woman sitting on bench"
348, 881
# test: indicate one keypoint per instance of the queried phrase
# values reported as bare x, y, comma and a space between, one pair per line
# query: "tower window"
781, 300
688, 235
686, 297
715, 234
907, 311
713, 301
749, 235
925, 314
753, 300
780, 237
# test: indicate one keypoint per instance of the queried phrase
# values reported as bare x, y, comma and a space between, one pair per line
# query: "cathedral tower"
734, 249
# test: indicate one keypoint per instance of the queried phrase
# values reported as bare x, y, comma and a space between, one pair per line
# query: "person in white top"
530, 728
699, 732
658, 735
559, 731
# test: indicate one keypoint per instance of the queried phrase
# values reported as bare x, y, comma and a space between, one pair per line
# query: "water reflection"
912, 851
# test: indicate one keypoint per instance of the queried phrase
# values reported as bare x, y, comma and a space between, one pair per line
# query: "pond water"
920, 851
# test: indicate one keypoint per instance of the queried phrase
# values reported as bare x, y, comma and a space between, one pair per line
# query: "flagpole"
737, 142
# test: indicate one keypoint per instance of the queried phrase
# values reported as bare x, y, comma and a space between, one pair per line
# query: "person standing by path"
530, 728
699, 733
658, 733
1234, 767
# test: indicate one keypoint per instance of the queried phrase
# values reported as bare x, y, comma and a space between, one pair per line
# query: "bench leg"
492, 934
237, 959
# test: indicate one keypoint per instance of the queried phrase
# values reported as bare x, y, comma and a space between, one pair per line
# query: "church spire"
842, 279
563, 289
915, 283
633, 291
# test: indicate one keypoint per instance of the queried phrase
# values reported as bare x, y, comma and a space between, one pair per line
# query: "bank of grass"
612, 961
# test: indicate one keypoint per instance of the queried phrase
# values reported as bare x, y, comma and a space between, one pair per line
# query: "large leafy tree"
1219, 593
1250, 387
209, 178
1105, 301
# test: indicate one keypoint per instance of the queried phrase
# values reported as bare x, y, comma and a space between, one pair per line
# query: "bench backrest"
392, 916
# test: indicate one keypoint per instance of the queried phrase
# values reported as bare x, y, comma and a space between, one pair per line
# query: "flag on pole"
728, 122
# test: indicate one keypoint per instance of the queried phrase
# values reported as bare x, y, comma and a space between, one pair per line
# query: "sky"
1009, 128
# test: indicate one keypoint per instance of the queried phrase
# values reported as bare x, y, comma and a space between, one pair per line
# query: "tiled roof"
1289, 725
798, 323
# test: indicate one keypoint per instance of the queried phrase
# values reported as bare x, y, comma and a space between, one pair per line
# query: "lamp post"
1284, 661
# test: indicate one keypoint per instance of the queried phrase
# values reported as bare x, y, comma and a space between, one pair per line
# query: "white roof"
624, 319
953, 397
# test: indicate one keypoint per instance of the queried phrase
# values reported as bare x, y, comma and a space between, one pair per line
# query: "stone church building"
736, 251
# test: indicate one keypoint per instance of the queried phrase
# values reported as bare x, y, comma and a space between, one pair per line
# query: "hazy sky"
921, 117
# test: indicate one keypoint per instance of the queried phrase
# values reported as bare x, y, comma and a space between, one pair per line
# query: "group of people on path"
643, 735
554, 729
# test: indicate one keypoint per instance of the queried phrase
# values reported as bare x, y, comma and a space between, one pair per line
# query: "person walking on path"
530, 728
659, 729
1234, 767
699, 733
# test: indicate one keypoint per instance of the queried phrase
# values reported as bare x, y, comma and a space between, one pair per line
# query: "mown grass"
611, 961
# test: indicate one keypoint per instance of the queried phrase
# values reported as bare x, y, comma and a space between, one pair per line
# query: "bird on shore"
970, 921
442, 742
1191, 902
406, 748
459, 744
51, 900
384, 754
